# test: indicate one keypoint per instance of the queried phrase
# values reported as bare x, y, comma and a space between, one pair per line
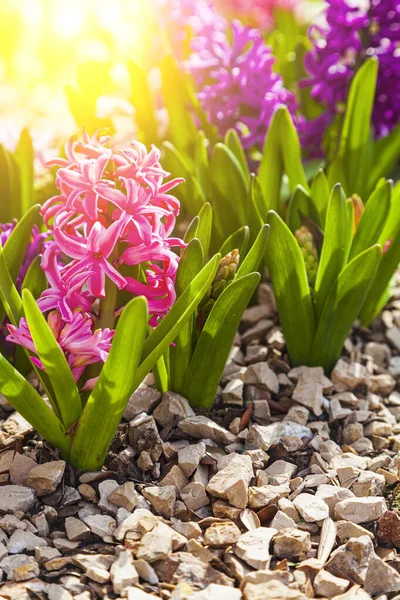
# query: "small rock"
146, 571
351, 560
125, 495
106, 488
347, 376
143, 436
347, 530
144, 400
312, 508
22, 541
332, 494
261, 375
389, 528
369, 483
309, 389
123, 572
267, 436
282, 467
45, 478
172, 406
328, 585
158, 543
162, 499
76, 530
381, 578
15, 498
101, 525
44, 553
220, 535
233, 392
176, 478
360, 510
292, 544
20, 567
232, 482
21, 467
190, 457
253, 547
267, 494
202, 427
141, 521
182, 567
194, 496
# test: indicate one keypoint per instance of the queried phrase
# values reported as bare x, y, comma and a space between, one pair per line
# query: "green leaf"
354, 142
215, 342
239, 240
25, 156
67, 402
373, 219
16, 245
300, 204
35, 279
256, 253
392, 225
9, 187
289, 279
281, 153
25, 399
191, 231
377, 294
232, 141
9, 296
165, 333
386, 154
229, 191
107, 402
342, 307
335, 248
190, 265
320, 193
204, 228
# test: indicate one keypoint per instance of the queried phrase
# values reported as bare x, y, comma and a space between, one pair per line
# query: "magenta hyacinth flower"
113, 212
82, 346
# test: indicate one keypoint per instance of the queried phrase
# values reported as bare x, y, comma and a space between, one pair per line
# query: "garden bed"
256, 500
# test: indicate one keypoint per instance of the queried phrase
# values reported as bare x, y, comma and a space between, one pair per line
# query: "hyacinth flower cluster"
259, 13
236, 84
110, 226
350, 34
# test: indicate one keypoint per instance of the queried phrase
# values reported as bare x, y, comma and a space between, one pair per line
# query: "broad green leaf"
67, 402
377, 293
356, 132
289, 279
204, 228
107, 402
25, 157
190, 265
25, 399
232, 140
35, 279
215, 342
255, 208
342, 307
335, 248
16, 245
239, 240
281, 153
229, 191
165, 333
392, 225
255, 255
9, 296
320, 193
373, 220
9, 187
386, 154
300, 204
191, 231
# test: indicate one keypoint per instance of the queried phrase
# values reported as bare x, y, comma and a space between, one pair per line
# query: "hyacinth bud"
358, 211
309, 251
225, 274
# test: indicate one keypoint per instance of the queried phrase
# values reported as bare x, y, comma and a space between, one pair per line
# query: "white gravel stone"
360, 510
15, 498
312, 508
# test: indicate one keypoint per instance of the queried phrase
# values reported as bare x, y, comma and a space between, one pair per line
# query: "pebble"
190, 456
292, 544
311, 508
232, 482
253, 547
22, 541
45, 478
162, 499
360, 510
172, 407
220, 535
124, 496
203, 427
20, 567
14, 498
123, 572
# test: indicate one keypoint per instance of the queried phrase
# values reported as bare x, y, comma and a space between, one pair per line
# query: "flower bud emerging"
309, 251
225, 275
